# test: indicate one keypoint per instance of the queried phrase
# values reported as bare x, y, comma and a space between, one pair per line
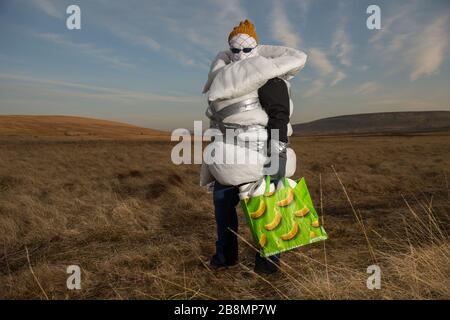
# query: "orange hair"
245, 27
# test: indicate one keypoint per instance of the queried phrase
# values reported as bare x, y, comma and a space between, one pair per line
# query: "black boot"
226, 255
231, 251
268, 265
219, 261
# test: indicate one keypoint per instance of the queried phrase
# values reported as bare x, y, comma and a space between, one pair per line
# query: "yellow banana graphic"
262, 240
269, 193
260, 211
315, 224
275, 222
302, 212
312, 234
291, 234
285, 202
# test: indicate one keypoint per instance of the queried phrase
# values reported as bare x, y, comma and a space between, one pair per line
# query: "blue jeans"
226, 198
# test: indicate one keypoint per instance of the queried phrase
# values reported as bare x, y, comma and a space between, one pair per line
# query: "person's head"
243, 41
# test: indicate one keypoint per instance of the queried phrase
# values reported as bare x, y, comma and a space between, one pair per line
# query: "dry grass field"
141, 228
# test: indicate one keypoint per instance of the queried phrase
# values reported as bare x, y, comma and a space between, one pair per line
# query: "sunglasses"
245, 50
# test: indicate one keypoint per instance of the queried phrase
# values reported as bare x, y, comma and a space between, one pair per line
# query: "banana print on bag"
287, 201
275, 222
302, 212
291, 234
283, 219
261, 209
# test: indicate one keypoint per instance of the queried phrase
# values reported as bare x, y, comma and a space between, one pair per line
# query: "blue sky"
145, 62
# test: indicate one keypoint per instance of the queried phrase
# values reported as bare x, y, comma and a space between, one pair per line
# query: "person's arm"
274, 98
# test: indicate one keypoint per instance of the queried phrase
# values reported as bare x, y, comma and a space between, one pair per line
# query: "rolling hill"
71, 126
378, 123
369, 123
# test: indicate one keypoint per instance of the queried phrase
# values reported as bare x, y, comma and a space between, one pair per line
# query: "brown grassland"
141, 228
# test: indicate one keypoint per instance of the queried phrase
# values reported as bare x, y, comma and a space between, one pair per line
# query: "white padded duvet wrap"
229, 83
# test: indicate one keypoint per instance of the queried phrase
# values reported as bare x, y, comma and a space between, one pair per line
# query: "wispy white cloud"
50, 8
88, 49
89, 90
192, 28
338, 77
319, 60
207, 28
389, 22
117, 28
330, 72
341, 45
412, 44
207, 36
315, 88
304, 6
136, 39
281, 27
367, 88
363, 68
428, 51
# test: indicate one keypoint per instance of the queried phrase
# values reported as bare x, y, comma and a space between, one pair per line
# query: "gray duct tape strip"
223, 126
217, 117
238, 107
253, 145
278, 146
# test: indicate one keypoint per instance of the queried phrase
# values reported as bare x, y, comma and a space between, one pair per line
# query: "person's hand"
281, 172
277, 154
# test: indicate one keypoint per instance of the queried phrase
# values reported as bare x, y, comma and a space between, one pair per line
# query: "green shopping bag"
284, 219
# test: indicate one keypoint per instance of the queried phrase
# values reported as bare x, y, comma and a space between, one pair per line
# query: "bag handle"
285, 182
253, 186
267, 179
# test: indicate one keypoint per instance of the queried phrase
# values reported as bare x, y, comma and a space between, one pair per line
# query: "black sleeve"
274, 98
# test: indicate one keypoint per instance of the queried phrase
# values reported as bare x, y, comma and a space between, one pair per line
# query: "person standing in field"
248, 92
